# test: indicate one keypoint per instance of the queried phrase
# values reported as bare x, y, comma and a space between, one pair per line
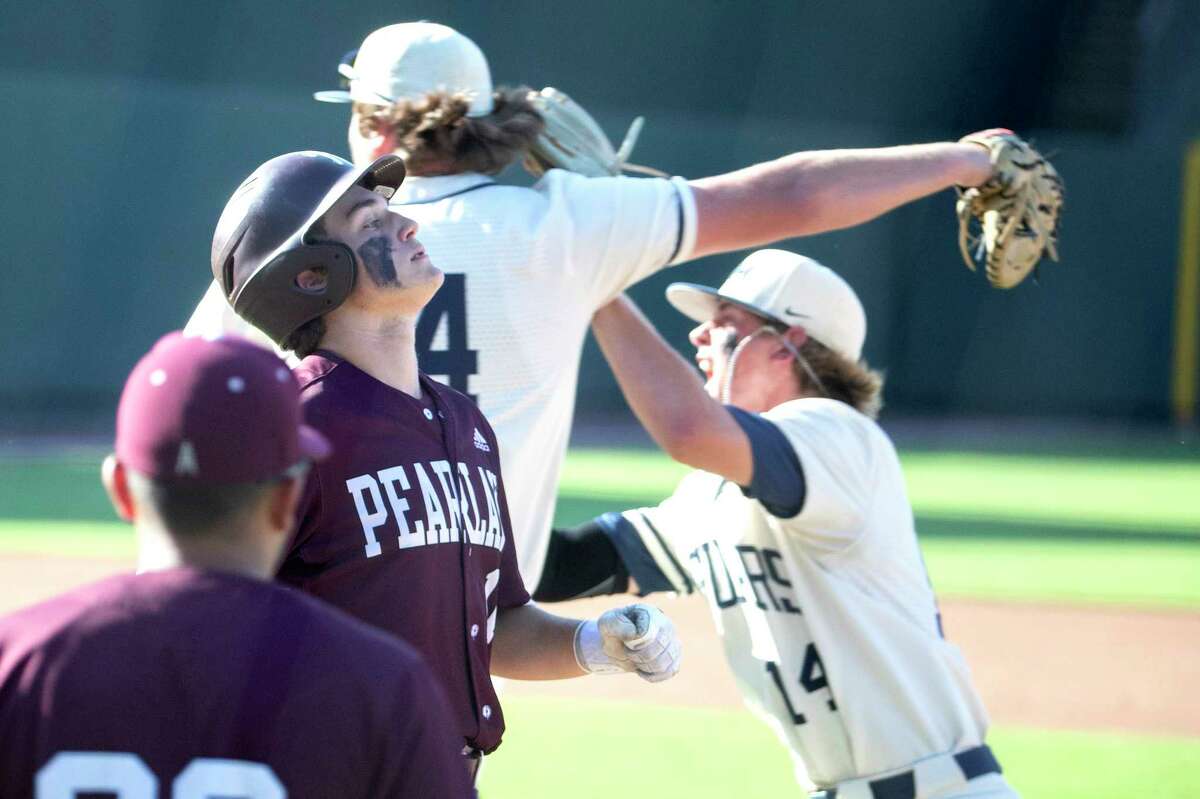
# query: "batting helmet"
262, 241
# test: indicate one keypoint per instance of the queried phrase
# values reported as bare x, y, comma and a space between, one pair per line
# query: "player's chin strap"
727, 383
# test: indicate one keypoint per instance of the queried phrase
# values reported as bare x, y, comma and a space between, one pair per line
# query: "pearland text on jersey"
429, 507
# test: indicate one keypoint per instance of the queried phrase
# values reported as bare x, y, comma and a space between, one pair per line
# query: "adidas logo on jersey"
481, 442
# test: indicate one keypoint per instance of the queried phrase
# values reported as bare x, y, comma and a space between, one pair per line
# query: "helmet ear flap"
272, 299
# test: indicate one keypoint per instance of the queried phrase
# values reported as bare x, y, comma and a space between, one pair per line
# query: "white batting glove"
638, 638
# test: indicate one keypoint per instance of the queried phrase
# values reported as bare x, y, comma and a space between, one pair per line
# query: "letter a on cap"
186, 462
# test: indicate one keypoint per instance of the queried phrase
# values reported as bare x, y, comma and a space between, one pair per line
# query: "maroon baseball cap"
219, 410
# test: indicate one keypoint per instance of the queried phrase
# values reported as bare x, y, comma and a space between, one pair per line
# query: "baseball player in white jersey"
527, 267
797, 529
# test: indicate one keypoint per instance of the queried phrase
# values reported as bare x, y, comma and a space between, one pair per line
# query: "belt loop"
897, 786
978, 761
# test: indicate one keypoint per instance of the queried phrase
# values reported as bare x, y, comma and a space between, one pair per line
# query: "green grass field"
593, 750
1098, 529
1094, 530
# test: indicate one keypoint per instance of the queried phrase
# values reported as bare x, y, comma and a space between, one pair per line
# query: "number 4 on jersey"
812, 678
457, 362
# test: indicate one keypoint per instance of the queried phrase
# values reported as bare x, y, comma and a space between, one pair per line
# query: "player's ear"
116, 483
796, 335
375, 144
281, 504
383, 144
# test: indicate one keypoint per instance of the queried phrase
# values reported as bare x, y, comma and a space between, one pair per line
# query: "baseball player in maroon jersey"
198, 677
406, 525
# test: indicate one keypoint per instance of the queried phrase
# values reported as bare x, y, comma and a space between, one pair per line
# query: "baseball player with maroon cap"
198, 676
406, 525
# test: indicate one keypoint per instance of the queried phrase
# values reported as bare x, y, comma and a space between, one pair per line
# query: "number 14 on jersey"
812, 679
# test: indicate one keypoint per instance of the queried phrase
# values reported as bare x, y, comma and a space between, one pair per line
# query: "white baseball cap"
411, 59
787, 288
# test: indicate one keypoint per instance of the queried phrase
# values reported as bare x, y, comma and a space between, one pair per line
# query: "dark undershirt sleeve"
778, 479
638, 561
581, 562
596, 559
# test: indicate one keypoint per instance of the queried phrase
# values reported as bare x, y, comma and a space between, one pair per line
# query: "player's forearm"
663, 390
531, 644
813, 192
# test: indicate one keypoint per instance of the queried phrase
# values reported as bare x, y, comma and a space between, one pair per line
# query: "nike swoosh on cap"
790, 312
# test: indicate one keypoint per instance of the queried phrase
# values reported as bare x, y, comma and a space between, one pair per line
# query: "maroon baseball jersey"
406, 526
200, 683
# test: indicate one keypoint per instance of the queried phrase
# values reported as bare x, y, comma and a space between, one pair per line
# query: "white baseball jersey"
827, 618
525, 270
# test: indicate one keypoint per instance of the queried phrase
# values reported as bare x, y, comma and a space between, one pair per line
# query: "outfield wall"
130, 122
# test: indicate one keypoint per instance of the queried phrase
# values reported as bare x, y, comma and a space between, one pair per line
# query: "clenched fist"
638, 638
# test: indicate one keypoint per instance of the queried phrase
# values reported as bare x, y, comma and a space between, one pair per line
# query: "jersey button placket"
487, 711
474, 630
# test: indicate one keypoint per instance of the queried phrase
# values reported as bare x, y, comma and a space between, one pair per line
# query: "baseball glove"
1017, 210
573, 141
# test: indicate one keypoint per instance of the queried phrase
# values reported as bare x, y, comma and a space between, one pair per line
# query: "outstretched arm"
814, 192
531, 644
667, 396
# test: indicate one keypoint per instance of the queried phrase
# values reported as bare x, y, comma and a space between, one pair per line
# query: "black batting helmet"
261, 244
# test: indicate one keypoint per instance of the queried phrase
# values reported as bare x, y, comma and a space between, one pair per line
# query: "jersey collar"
432, 189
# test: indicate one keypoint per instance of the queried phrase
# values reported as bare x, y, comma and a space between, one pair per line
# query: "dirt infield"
1056, 667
